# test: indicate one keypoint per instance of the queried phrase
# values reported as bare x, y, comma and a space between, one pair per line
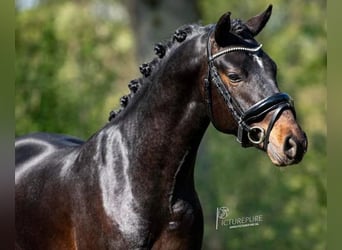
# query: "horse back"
34, 145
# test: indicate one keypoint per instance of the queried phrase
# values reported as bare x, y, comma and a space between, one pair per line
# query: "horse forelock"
240, 29
162, 51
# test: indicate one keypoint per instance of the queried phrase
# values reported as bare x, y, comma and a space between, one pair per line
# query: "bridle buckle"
256, 135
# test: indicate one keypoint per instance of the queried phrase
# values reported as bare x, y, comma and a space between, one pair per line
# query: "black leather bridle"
246, 135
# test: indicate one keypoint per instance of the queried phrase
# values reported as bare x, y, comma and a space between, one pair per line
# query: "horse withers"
131, 185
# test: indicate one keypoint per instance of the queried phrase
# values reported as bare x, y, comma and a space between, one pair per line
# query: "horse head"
242, 92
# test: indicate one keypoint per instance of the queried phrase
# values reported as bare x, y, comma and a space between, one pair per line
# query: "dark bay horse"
131, 185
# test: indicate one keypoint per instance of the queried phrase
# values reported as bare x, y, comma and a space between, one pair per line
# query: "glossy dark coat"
131, 185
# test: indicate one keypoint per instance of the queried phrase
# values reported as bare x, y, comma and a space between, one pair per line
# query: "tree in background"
75, 58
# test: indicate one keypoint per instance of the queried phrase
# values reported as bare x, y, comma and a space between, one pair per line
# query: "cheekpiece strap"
278, 102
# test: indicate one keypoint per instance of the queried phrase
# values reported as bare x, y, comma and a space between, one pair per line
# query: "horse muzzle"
288, 143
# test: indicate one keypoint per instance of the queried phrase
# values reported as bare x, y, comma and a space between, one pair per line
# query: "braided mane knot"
124, 101
134, 86
160, 50
113, 114
179, 36
145, 69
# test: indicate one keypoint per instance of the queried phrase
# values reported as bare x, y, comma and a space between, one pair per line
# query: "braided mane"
162, 51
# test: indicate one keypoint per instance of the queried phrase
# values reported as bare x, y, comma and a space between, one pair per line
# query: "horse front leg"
184, 230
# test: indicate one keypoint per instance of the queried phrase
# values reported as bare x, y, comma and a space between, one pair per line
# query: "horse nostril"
290, 147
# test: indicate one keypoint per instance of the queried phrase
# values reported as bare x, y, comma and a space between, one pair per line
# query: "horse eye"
233, 77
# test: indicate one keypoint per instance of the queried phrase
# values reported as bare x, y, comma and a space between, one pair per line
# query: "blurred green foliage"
69, 58
74, 62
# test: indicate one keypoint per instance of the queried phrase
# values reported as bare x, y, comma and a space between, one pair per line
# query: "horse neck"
161, 129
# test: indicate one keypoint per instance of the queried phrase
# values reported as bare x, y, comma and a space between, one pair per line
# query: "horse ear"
223, 37
257, 23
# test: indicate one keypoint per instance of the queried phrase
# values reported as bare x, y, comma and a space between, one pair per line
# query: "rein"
247, 136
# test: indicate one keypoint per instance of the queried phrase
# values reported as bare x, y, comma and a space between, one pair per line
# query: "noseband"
247, 136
